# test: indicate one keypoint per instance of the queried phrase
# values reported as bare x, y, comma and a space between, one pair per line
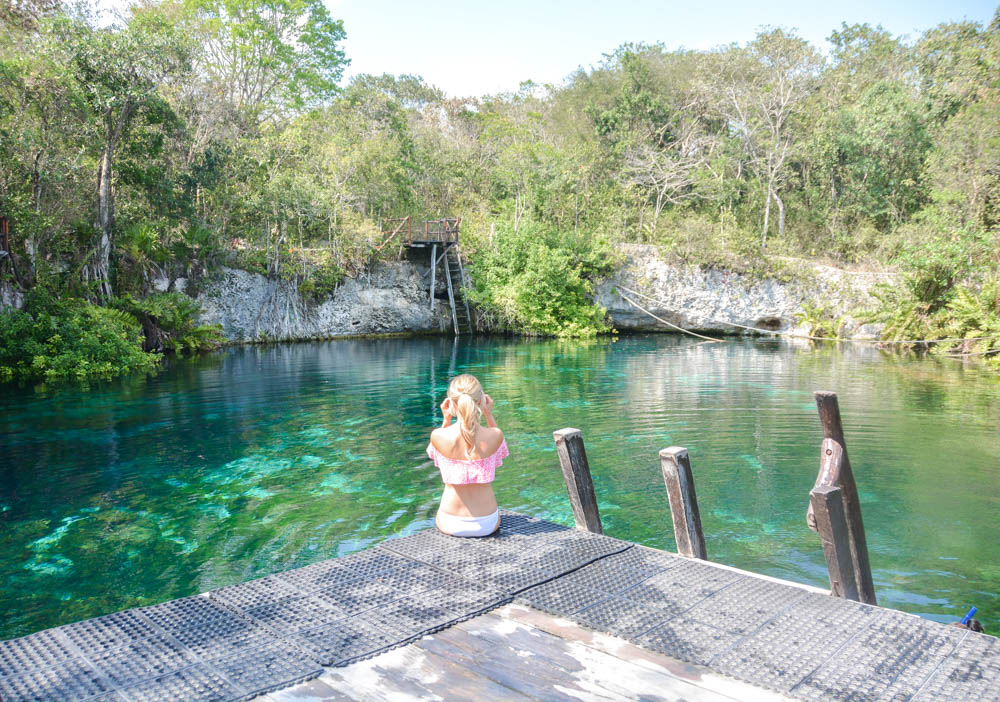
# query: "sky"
473, 47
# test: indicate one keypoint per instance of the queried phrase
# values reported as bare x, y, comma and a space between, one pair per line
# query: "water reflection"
259, 459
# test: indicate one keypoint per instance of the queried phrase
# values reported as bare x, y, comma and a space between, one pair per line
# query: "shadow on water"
258, 459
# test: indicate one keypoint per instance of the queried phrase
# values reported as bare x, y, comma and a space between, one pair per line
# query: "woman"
468, 454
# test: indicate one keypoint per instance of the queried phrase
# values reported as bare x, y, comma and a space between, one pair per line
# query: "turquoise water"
256, 460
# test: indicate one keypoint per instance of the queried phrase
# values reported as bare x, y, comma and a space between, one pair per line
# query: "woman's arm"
488, 412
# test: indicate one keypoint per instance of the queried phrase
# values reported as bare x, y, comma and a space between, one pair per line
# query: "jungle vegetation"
190, 134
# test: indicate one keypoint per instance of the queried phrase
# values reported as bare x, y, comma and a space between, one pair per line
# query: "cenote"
260, 459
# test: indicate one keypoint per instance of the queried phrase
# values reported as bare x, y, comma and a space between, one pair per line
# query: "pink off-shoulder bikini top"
468, 471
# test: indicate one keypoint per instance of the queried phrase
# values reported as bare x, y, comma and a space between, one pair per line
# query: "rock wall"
392, 298
10, 296
702, 299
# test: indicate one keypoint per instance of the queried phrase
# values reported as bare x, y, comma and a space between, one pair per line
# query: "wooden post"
831, 522
835, 471
434, 248
676, 466
451, 292
576, 473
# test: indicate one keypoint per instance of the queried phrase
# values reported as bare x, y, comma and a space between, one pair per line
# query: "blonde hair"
466, 395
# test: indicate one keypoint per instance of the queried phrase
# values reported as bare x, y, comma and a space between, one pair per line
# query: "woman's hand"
446, 411
488, 411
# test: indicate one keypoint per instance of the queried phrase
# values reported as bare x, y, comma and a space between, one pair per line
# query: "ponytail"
466, 394
468, 420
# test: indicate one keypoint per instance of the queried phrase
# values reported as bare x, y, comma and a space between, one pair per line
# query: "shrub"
168, 321
69, 338
539, 281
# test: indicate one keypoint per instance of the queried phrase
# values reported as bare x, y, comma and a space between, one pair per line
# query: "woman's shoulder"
443, 439
494, 439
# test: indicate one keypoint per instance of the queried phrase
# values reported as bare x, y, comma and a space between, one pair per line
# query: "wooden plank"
579, 485
515, 654
411, 672
691, 682
676, 466
451, 293
312, 691
839, 474
828, 506
500, 661
433, 266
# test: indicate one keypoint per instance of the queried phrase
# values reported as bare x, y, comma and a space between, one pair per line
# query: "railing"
834, 513
442, 230
392, 227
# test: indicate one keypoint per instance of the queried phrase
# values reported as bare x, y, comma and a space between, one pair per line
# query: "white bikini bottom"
468, 526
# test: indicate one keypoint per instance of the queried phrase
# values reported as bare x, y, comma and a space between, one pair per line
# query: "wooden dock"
437, 234
538, 611
518, 653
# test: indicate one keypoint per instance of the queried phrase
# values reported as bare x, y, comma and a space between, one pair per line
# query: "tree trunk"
99, 266
98, 269
781, 215
767, 218
36, 192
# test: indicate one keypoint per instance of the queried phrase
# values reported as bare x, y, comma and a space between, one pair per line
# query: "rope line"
669, 324
791, 334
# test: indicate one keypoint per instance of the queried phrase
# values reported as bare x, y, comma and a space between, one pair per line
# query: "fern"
975, 314
819, 320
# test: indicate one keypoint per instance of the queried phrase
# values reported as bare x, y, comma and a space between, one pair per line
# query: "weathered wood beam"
835, 471
831, 521
433, 266
676, 466
465, 284
579, 485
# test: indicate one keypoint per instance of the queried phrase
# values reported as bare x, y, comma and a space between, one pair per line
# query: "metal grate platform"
237, 642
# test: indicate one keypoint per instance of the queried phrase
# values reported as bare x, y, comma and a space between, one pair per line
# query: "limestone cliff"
391, 298
394, 298
704, 299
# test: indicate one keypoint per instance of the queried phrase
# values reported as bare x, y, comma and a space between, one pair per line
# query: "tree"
957, 64
119, 70
670, 172
964, 167
757, 90
270, 57
25, 14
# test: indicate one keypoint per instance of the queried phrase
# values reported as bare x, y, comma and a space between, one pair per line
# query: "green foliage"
974, 313
931, 266
233, 143
903, 316
539, 282
820, 320
283, 53
321, 282
69, 338
168, 320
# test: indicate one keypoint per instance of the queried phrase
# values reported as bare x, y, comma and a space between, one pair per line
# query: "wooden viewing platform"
536, 611
436, 233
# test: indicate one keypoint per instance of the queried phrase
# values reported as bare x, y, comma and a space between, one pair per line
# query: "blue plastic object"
969, 615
